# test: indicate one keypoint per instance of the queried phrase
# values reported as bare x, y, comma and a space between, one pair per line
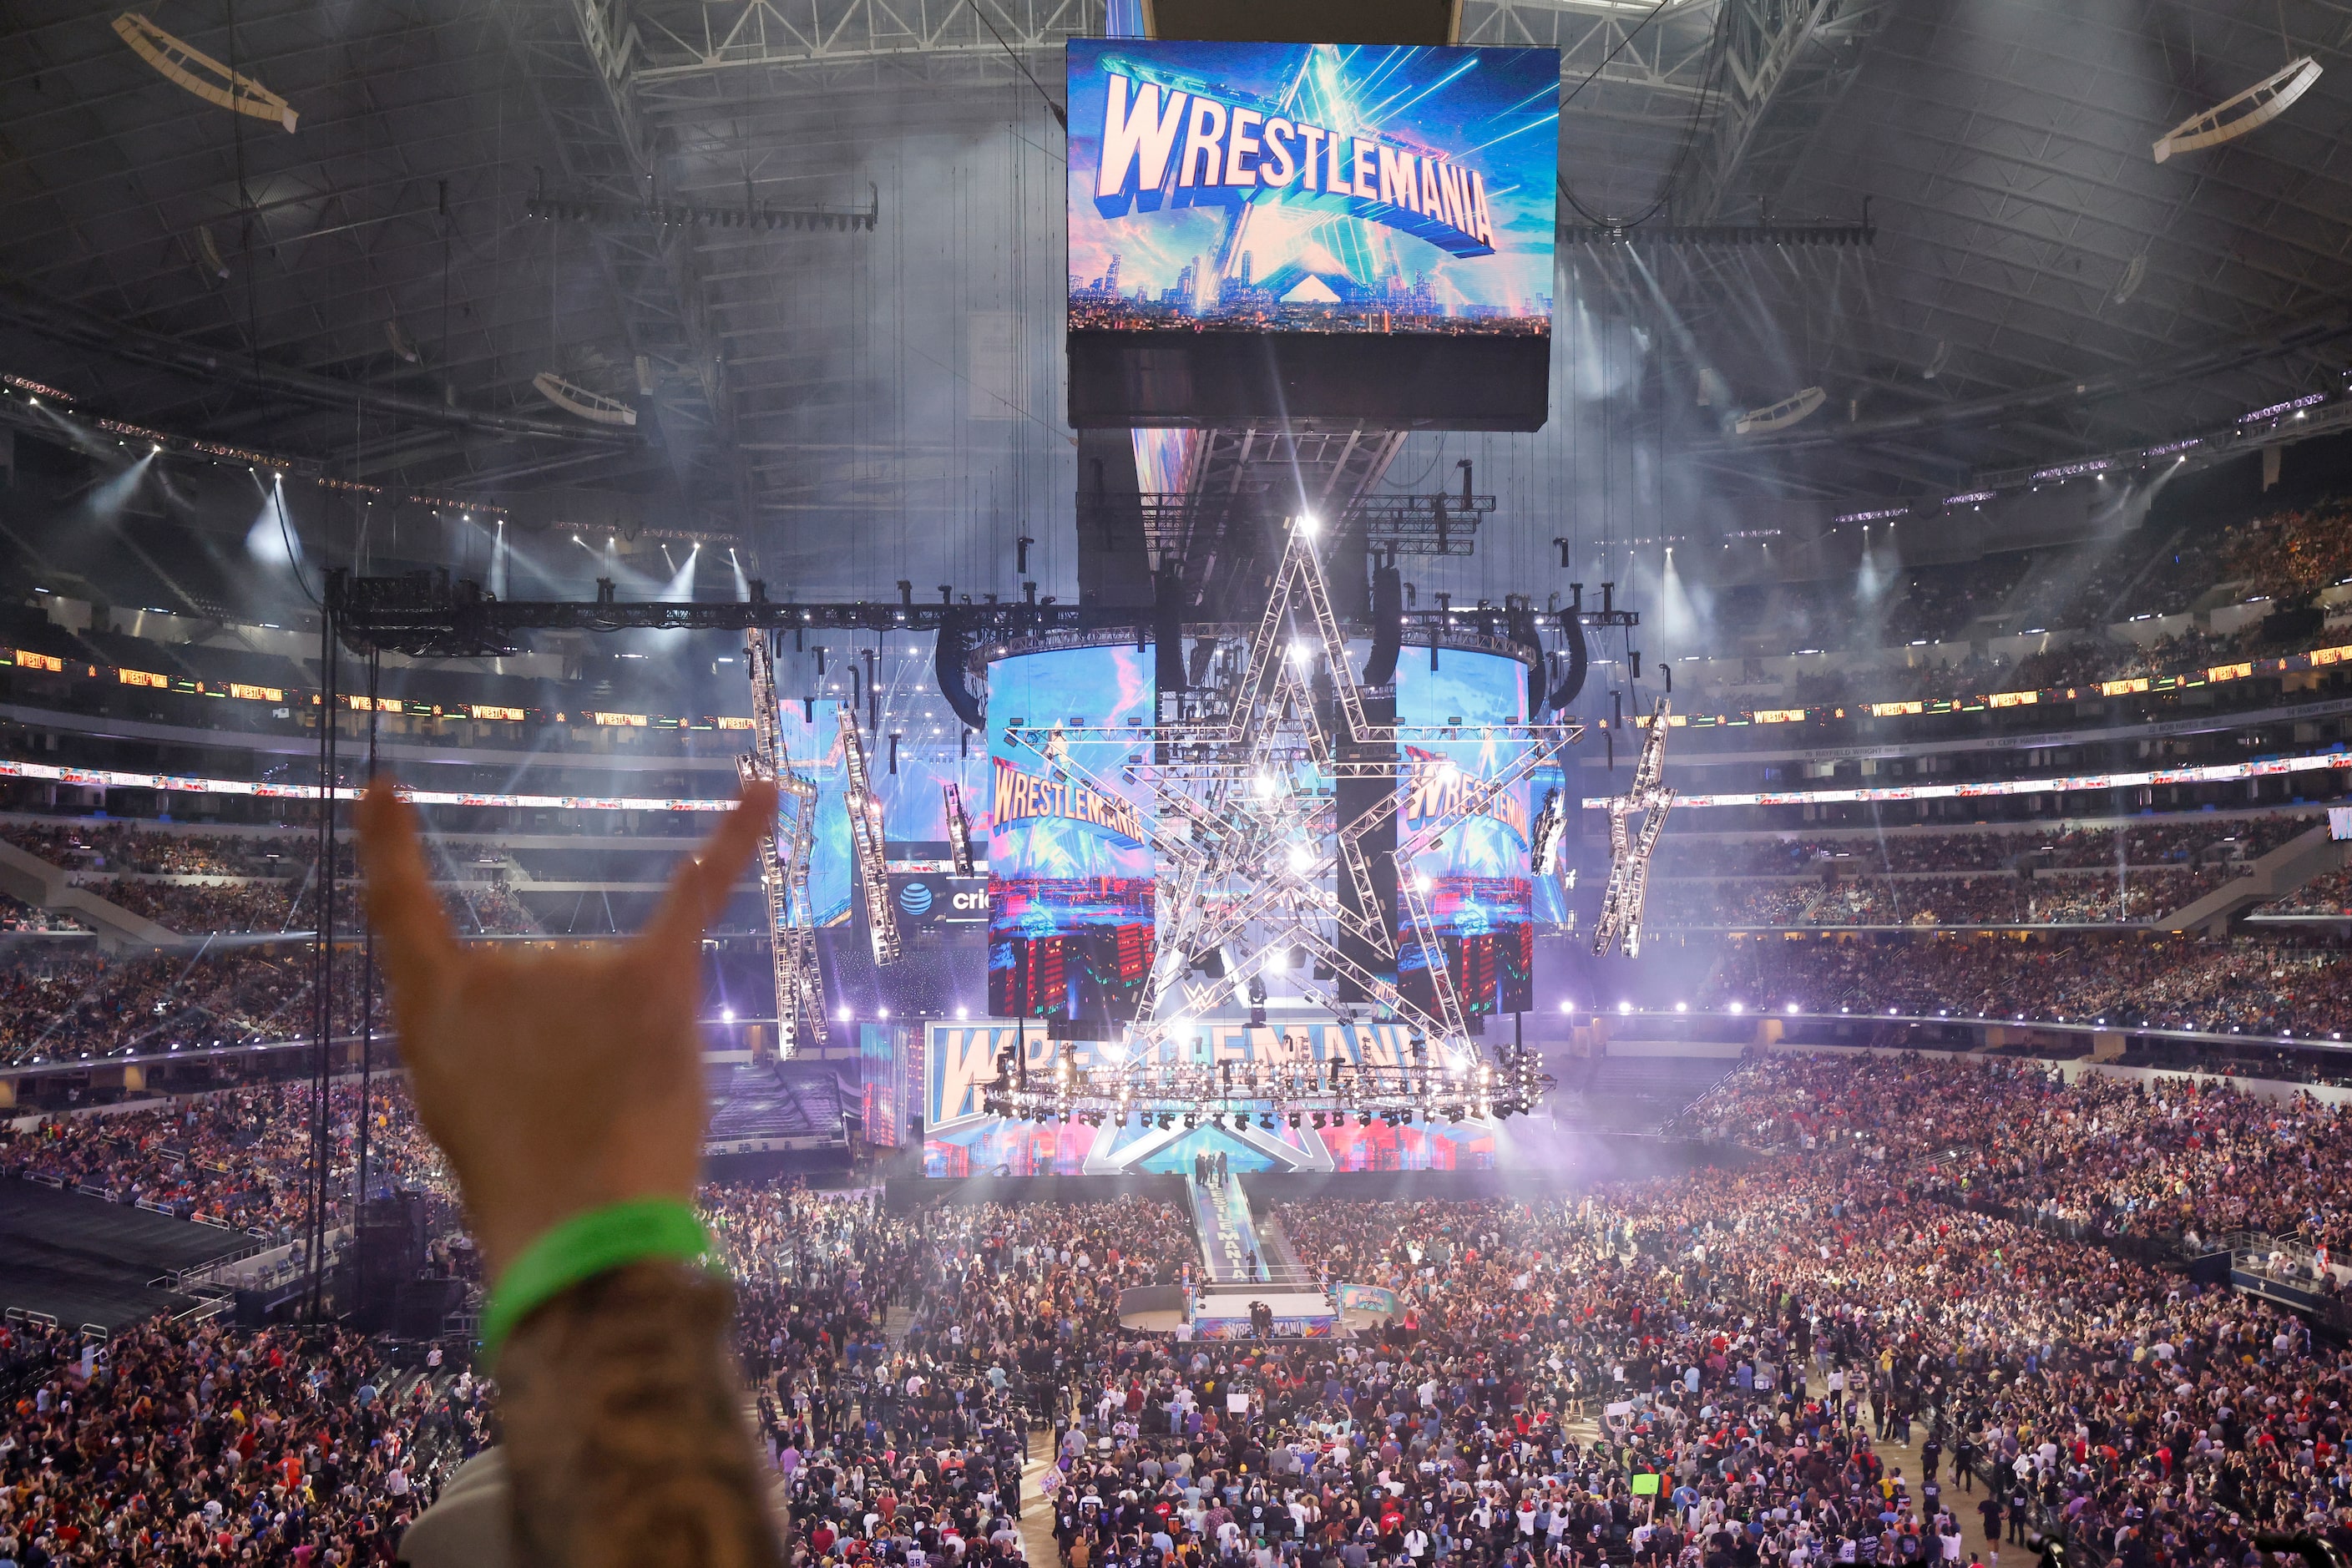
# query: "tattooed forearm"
625, 1434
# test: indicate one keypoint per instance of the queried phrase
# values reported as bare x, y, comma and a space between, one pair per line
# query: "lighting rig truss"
1426, 1086
1628, 857
1248, 840
959, 848
866, 842
429, 614
784, 861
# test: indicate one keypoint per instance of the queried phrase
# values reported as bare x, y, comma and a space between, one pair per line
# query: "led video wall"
1070, 914
1474, 877
814, 748
1311, 228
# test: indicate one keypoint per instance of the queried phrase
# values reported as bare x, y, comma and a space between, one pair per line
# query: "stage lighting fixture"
1294, 1121
1363, 1119
1266, 1122
1190, 1122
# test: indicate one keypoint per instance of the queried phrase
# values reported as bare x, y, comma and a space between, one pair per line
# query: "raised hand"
556, 1081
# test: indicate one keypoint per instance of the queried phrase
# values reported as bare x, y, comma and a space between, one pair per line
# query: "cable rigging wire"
1710, 88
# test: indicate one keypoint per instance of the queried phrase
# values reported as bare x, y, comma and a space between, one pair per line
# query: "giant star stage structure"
1258, 866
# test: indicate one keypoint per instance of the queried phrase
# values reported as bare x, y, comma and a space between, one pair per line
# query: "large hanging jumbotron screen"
1479, 890
1070, 911
1311, 188
1338, 230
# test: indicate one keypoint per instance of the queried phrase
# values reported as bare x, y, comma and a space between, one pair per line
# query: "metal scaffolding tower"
1629, 858
784, 861
866, 842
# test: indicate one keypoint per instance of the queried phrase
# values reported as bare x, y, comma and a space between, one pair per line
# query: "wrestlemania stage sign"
960, 1139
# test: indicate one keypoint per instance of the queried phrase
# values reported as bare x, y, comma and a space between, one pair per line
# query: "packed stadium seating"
1981, 1192
2247, 985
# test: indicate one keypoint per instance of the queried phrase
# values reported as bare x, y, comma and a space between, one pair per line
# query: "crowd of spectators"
56, 1006
195, 907
2163, 1157
135, 848
196, 1443
1991, 899
25, 920
1760, 1349
2283, 555
2328, 894
241, 1158
2155, 841
913, 1451
1770, 1366
263, 882
2072, 596
2244, 984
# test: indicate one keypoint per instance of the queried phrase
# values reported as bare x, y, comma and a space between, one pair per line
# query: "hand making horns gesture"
556, 1081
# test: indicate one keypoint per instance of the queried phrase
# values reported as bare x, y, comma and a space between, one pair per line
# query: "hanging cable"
1061, 115
1719, 53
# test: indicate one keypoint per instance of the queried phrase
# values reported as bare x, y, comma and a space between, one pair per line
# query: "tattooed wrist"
624, 1428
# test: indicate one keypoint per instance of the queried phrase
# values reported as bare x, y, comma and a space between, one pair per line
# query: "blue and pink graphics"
1069, 870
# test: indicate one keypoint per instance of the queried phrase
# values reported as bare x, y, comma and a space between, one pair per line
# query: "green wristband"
583, 1247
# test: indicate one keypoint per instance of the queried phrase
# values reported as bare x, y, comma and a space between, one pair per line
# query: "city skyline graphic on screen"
1316, 188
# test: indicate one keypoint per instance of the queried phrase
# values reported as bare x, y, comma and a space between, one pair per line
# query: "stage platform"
81, 1259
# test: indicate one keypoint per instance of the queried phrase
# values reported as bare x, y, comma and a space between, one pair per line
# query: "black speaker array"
1571, 631
947, 664
1388, 627
1168, 630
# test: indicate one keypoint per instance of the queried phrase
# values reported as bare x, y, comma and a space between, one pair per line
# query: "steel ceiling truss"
1786, 65
578, 59
671, 42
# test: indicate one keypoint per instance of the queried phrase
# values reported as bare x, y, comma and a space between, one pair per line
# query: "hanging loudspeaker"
947, 664
1168, 630
1572, 629
1388, 627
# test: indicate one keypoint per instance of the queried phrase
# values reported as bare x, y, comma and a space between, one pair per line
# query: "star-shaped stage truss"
1245, 823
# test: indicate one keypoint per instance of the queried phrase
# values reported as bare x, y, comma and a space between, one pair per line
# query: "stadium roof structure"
812, 248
